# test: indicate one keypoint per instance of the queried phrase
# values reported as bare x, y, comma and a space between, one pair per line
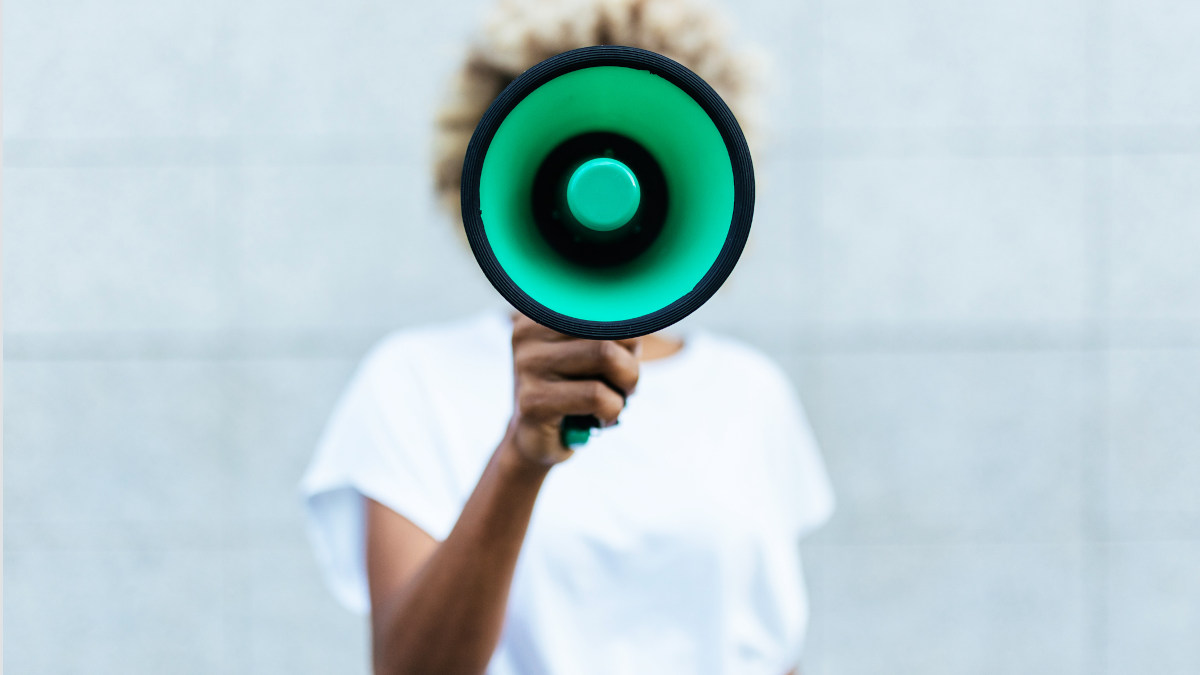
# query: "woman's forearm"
448, 617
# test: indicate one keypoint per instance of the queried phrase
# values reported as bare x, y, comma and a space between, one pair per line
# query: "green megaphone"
607, 193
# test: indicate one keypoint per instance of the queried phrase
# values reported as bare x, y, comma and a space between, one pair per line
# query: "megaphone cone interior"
607, 192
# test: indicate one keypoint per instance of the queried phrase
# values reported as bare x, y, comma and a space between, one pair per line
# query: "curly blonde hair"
517, 34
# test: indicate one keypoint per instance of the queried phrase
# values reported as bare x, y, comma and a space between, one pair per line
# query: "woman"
443, 501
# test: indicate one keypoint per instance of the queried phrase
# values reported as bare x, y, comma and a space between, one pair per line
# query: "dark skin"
438, 607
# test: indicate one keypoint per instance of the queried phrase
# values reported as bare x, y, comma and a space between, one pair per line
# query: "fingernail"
612, 424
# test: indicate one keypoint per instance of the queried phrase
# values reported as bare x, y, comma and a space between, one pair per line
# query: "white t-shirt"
667, 544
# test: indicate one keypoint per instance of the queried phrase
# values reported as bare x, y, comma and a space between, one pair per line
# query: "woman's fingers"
611, 361
557, 376
554, 400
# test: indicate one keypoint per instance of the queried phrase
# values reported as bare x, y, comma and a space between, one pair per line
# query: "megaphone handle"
577, 429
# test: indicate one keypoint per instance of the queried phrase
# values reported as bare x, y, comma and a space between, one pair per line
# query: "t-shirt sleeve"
796, 460
378, 444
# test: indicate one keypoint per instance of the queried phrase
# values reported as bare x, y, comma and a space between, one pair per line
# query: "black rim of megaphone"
710, 102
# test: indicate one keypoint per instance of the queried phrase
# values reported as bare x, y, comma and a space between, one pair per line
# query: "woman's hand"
556, 375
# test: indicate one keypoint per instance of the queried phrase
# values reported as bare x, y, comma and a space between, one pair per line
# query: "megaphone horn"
607, 192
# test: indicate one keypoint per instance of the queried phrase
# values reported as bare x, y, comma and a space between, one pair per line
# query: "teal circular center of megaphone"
603, 194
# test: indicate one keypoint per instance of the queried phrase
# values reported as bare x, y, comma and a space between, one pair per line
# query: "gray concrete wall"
977, 252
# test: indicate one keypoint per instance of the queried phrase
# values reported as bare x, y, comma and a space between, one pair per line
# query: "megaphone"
607, 193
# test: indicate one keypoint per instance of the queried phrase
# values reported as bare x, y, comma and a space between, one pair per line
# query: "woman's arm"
439, 608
